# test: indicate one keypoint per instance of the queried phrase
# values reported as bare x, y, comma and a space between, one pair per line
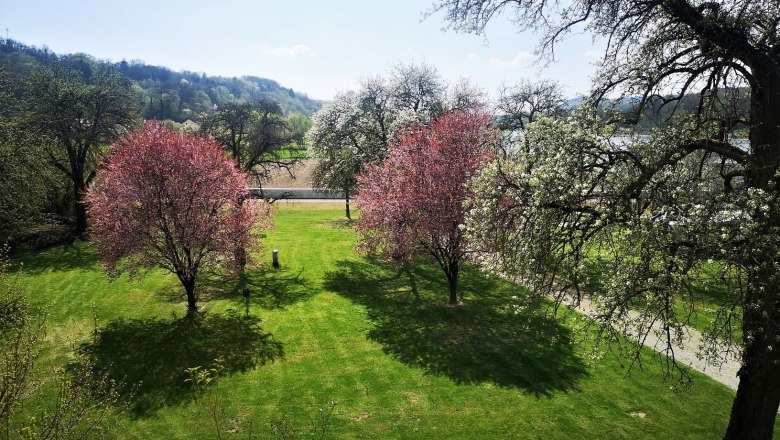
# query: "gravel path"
686, 353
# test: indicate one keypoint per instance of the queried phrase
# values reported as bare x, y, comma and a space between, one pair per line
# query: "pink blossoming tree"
412, 204
170, 200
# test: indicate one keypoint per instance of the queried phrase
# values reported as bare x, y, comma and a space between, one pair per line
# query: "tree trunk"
452, 278
765, 132
189, 287
755, 406
346, 194
758, 396
240, 255
240, 252
79, 208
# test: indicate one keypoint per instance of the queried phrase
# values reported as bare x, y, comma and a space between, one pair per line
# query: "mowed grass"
331, 325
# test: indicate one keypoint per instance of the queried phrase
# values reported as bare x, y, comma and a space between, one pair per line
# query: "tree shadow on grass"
483, 340
269, 289
77, 255
341, 223
147, 357
278, 288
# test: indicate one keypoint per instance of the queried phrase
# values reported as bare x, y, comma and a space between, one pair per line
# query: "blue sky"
315, 47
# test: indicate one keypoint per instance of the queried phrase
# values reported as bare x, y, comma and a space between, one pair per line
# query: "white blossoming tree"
355, 128
665, 205
658, 211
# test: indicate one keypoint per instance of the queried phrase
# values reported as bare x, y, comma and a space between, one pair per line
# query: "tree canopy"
356, 128
170, 200
524, 102
79, 108
22, 180
255, 134
161, 93
413, 202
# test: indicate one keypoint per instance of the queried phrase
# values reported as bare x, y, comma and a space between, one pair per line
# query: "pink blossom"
413, 202
171, 200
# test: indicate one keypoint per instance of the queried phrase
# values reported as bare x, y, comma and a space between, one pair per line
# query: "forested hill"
165, 94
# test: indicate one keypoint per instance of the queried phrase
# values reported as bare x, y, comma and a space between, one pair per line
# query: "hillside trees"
412, 204
665, 207
79, 106
171, 200
161, 93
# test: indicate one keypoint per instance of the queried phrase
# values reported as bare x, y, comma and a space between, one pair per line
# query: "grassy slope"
379, 342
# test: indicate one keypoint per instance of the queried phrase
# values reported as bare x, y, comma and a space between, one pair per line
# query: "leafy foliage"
22, 181
299, 125
78, 107
573, 193
203, 380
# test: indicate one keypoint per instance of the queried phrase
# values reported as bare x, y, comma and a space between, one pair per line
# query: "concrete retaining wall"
298, 193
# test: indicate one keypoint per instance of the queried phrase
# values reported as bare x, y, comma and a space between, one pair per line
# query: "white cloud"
299, 50
521, 59
472, 57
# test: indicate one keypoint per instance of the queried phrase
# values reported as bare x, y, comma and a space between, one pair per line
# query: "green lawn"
379, 342
292, 153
